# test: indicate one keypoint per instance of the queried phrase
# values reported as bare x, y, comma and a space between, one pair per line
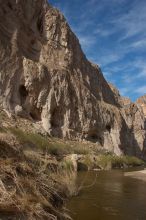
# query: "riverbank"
141, 175
112, 196
32, 185
35, 182
38, 172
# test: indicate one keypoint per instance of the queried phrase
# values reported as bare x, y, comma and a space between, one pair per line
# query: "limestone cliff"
44, 75
142, 102
135, 133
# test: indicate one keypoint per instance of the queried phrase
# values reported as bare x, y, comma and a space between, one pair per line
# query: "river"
109, 195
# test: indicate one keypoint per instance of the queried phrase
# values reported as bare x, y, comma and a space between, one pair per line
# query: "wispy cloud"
141, 90
108, 59
86, 41
139, 44
132, 22
112, 33
104, 32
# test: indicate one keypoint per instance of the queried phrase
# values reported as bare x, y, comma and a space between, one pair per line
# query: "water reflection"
113, 197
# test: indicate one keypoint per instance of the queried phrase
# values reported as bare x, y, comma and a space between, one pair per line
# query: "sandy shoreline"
137, 174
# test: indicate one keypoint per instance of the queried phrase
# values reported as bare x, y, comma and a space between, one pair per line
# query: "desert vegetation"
38, 175
33, 184
109, 161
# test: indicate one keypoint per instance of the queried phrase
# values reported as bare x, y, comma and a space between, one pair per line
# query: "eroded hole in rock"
35, 114
94, 136
55, 118
108, 128
40, 25
145, 125
9, 5
23, 94
32, 42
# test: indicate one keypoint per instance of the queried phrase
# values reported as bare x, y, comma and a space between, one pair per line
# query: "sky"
112, 34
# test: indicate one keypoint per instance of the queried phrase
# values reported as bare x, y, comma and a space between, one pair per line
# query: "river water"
109, 195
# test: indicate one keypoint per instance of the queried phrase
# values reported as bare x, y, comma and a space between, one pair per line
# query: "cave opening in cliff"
23, 94
95, 137
55, 118
35, 114
108, 128
40, 25
10, 5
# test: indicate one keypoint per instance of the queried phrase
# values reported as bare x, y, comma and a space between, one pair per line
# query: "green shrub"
2, 115
39, 142
80, 149
133, 161
113, 161
2, 130
104, 161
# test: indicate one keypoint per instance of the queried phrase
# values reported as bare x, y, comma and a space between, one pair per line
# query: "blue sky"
112, 33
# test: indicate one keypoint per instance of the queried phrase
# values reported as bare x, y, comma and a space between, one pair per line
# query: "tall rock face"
135, 129
135, 120
21, 35
120, 99
45, 75
142, 102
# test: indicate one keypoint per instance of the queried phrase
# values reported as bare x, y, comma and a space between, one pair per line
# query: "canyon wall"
142, 102
45, 76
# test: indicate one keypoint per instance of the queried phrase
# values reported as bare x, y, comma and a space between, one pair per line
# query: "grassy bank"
90, 157
38, 172
49, 145
112, 161
107, 162
33, 184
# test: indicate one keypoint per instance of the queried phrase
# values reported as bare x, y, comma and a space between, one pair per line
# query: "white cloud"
108, 59
133, 22
86, 41
139, 44
141, 90
107, 19
140, 65
127, 78
104, 32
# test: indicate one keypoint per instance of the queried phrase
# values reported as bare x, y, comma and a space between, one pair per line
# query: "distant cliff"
142, 102
45, 76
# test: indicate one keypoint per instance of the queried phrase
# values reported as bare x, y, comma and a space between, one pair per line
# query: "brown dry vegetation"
33, 184
35, 180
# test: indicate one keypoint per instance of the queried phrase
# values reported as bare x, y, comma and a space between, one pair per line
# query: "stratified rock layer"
46, 76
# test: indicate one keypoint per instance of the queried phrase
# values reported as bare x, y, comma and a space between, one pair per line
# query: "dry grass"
38, 142
28, 188
51, 146
109, 161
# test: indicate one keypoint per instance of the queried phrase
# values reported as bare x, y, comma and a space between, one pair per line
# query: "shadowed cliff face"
22, 26
46, 76
21, 35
